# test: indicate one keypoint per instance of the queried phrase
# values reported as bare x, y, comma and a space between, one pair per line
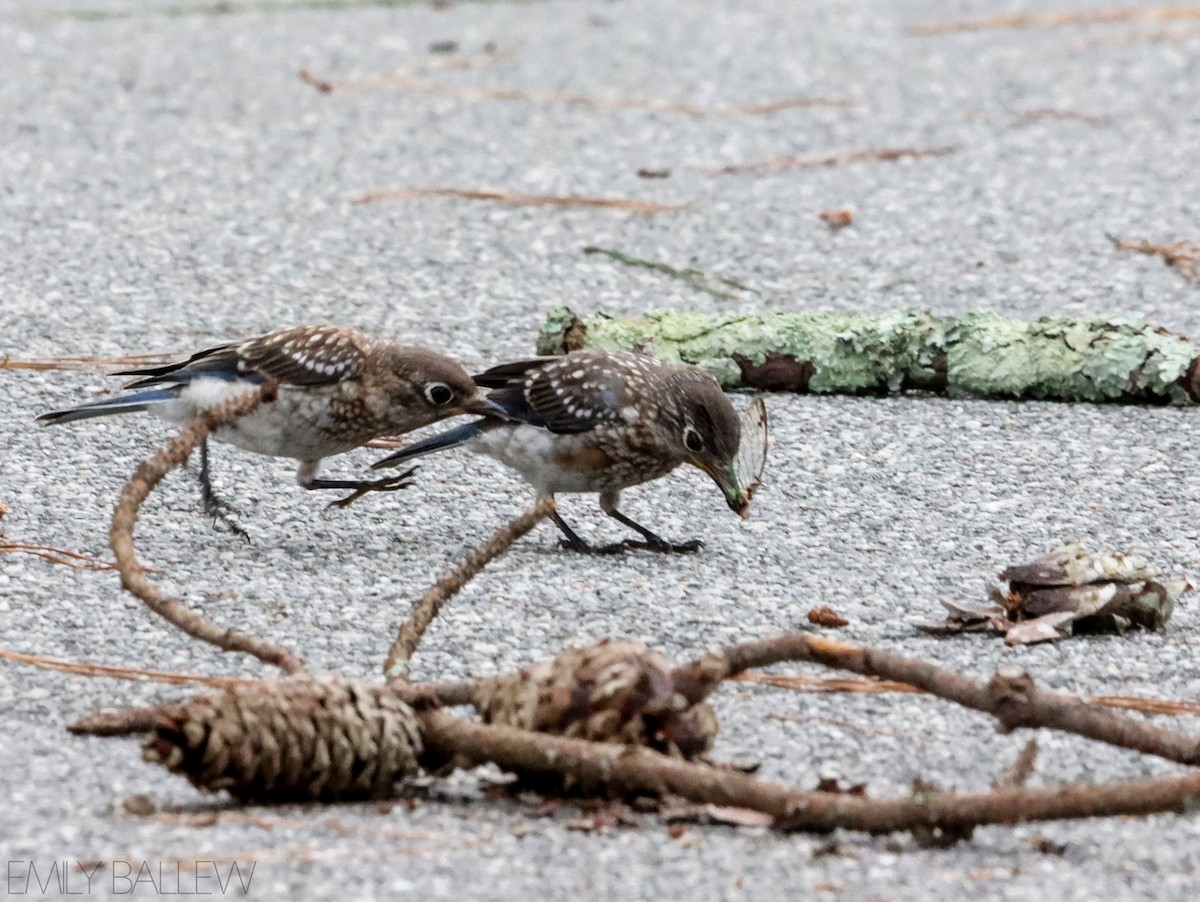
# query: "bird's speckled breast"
569, 463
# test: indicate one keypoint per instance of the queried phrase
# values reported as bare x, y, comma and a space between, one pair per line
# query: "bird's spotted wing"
752, 452
303, 355
306, 355
572, 395
509, 374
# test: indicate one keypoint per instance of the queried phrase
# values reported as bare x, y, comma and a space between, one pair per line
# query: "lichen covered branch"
984, 355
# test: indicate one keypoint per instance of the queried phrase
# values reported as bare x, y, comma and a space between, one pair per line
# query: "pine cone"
614, 691
297, 739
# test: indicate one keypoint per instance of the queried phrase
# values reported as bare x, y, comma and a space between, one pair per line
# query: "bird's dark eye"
439, 393
691, 438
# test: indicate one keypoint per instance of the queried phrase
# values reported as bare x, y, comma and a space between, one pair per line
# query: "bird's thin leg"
652, 541
360, 487
215, 506
573, 542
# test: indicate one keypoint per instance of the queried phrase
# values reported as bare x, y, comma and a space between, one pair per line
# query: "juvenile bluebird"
602, 421
337, 389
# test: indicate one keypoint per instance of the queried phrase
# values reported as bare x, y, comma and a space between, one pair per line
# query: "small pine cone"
297, 739
613, 691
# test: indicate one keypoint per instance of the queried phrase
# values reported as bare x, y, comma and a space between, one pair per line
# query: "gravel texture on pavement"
168, 182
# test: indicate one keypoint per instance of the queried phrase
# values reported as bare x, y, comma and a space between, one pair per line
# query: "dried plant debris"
520, 199
180, 10
1058, 19
1182, 256
401, 81
837, 219
1050, 114
717, 286
751, 457
72, 559
876, 155
91, 669
614, 691
1067, 592
823, 615
296, 739
91, 364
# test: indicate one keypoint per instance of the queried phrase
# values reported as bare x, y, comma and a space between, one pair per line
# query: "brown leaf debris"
837, 219
826, 616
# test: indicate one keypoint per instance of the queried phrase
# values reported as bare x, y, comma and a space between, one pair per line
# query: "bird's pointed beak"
735, 494
484, 407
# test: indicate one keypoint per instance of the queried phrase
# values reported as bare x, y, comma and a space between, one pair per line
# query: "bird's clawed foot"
363, 487
581, 547
222, 514
651, 541
217, 508
662, 546
658, 547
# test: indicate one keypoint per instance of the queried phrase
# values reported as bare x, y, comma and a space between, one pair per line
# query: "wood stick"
148, 475
427, 607
1010, 696
638, 770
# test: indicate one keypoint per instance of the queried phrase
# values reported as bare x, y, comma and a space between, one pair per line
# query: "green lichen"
986, 355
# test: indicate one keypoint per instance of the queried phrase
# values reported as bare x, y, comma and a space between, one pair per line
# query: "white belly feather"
290, 426
531, 451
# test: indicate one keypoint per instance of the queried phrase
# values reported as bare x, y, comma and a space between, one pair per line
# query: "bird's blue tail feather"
451, 438
123, 404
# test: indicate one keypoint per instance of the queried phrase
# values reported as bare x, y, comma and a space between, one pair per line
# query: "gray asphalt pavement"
167, 182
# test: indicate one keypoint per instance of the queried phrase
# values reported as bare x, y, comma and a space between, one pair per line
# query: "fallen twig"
402, 82
80, 363
1183, 256
1058, 19
882, 155
701, 281
116, 672
149, 473
428, 605
518, 199
1022, 768
129, 722
639, 770
178, 10
797, 683
403, 73
56, 555
871, 685
1010, 696
1058, 115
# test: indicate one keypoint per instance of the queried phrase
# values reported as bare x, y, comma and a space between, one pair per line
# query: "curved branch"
148, 475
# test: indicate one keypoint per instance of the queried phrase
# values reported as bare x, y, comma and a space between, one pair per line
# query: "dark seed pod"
613, 691
299, 739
